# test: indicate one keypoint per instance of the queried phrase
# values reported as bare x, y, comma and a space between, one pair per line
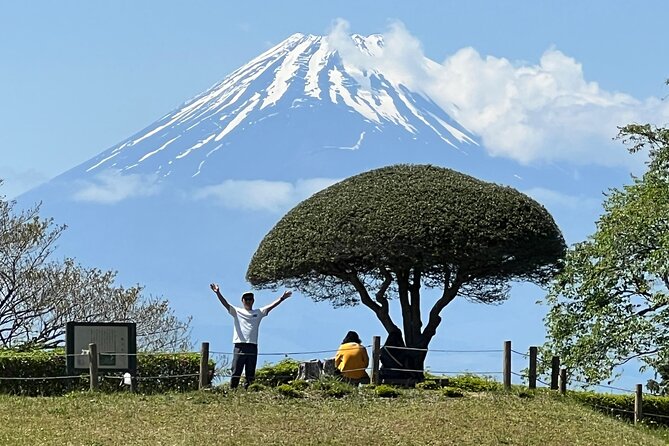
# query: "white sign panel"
112, 343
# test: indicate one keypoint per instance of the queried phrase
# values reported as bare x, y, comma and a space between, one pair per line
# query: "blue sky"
78, 77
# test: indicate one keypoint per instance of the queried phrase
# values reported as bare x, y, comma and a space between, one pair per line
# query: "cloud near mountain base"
262, 195
112, 186
529, 112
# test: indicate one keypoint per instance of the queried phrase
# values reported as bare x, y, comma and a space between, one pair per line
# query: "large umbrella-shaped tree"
385, 233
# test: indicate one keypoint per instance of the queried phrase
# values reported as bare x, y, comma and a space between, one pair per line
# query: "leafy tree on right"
610, 303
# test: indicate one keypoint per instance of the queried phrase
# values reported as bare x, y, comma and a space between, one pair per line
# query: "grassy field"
268, 418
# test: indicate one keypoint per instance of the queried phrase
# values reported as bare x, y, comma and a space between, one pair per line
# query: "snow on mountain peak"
304, 70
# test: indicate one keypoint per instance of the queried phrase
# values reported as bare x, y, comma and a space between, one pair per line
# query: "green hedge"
153, 374
279, 373
623, 405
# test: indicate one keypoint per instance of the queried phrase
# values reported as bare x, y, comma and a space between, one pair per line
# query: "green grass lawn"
267, 418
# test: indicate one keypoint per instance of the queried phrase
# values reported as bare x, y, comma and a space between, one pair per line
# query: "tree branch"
450, 292
381, 311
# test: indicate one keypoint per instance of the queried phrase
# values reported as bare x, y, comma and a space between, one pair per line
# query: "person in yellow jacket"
352, 360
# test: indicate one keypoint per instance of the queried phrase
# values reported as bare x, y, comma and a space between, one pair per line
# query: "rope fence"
558, 375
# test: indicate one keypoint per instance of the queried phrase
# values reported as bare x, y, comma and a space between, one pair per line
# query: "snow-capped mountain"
301, 99
186, 201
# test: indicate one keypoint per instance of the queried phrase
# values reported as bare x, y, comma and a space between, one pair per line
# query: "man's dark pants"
245, 357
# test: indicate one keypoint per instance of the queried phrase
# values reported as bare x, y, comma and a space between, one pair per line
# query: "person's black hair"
351, 336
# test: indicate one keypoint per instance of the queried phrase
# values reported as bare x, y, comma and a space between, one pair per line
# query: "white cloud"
553, 199
530, 112
111, 186
262, 195
14, 182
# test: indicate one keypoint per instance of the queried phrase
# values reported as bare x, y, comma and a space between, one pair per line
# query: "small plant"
386, 391
523, 393
299, 384
451, 392
280, 373
428, 385
257, 387
289, 391
473, 383
333, 387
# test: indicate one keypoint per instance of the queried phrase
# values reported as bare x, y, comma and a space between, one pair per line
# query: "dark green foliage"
391, 232
428, 385
451, 392
299, 384
333, 387
152, 366
386, 391
407, 217
38, 364
623, 405
473, 383
280, 373
289, 391
257, 387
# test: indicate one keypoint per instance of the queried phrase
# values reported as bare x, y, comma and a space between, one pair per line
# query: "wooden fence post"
93, 365
638, 404
555, 372
507, 365
376, 355
204, 366
532, 371
563, 381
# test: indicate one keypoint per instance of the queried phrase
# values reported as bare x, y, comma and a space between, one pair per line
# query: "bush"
428, 385
280, 373
299, 384
623, 405
451, 392
386, 391
154, 373
289, 391
256, 387
473, 383
333, 387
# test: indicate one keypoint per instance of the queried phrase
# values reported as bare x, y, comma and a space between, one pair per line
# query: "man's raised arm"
216, 289
284, 296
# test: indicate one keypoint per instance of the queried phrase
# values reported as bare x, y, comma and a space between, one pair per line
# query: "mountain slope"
186, 201
298, 99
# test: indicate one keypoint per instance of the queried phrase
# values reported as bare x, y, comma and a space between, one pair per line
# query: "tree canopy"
391, 230
39, 294
610, 304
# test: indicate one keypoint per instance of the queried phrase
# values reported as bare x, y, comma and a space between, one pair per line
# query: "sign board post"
116, 344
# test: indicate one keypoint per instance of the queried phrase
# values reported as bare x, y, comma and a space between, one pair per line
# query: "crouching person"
351, 359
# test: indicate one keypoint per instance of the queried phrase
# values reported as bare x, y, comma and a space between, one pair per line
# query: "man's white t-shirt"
246, 324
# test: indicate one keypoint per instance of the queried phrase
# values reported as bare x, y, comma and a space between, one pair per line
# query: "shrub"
428, 385
451, 392
280, 373
386, 391
257, 387
333, 387
473, 383
155, 373
299, 384
524, 393
289, 391
623, 405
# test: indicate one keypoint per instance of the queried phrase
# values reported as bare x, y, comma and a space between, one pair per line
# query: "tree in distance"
386, 233
39, 295
610, 304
